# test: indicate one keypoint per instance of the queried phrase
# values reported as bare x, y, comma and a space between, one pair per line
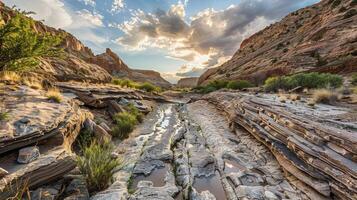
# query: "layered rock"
50, 128
315, 149
321, 38
187, 82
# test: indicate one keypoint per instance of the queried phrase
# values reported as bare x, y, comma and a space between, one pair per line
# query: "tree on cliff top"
21, 45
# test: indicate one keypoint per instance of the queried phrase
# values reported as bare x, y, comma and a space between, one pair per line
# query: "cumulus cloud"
209, 38
117, 6
90, 18
54, 13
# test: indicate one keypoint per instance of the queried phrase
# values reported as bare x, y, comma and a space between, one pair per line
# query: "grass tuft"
32, 84
324, 96
97, 165
354, 79
9, 76
125, 123
54, 94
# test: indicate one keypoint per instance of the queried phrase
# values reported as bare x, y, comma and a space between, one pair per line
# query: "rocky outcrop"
150, 76
316, 147
187, 82
115, 66
49, 128
321, 37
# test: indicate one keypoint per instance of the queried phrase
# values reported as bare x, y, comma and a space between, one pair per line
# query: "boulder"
28, 154
101, 134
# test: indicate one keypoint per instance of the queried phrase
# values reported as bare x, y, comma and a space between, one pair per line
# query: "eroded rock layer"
321, 37
313, 145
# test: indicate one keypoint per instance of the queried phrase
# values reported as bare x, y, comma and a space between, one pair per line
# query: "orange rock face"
321, 38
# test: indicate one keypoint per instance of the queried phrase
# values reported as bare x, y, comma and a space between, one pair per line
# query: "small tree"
21, 45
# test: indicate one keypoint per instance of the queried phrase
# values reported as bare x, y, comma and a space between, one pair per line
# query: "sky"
178, 38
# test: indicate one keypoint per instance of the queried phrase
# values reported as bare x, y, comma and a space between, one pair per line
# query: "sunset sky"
177, 38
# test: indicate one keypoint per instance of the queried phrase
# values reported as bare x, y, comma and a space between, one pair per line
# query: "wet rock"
28, 154
3, 172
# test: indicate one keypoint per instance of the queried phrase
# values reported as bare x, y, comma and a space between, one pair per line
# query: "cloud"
94, 18
209, 38
88, 2
54, 13
117, 6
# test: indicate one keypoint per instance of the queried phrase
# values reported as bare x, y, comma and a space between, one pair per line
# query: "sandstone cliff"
321, 37
187, 82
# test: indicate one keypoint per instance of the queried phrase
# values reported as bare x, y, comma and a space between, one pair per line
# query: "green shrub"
148, 87
124, 83
125, 123
306, 80
354, 79
135, 111
85, 138
97, 165
4, 116
21, 45
238, 85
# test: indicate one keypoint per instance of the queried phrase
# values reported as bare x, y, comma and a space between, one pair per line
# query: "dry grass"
9, 76
54, 94
324, 96
294, 97
32, 83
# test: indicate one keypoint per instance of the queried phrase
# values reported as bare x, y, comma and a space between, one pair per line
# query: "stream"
187, 151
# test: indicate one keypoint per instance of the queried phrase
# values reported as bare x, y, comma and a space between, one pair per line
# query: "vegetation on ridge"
148, 87
21, 45
311, 80
126, 121
219, 84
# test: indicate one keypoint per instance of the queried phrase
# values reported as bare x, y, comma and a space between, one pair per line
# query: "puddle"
231, 166
212, 184
157, 177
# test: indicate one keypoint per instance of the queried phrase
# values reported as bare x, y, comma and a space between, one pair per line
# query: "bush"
135, 111
354, 79
238, 85
148, 87
97, 165
125, 123
306, 80
324, 96
85, 138
21, 45
54, 94
124, 83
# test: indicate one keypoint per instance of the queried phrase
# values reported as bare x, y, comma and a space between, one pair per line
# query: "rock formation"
187, 82
321, 38
314, 149
116, 67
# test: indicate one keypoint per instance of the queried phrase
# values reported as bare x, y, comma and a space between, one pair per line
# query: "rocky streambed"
220, 146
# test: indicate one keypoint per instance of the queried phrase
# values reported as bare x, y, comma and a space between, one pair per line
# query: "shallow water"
212, 184
157, 177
